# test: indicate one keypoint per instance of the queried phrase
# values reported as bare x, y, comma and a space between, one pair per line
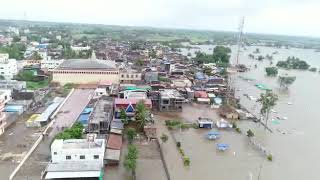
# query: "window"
55, 153
122, 75
96, 157
68, 157
82, 157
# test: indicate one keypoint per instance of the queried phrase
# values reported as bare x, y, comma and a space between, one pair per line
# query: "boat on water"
213, 135
222, 146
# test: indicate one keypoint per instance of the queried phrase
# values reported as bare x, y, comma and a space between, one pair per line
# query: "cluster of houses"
116, 77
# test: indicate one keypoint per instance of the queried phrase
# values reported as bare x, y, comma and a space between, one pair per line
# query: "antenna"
240, 30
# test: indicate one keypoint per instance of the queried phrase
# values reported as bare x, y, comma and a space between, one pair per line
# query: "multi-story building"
130, 76
76, 158
8, 67
170, 100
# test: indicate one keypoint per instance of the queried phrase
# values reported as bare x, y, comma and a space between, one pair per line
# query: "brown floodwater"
293, 143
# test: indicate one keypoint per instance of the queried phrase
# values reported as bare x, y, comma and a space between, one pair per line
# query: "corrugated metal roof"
114, 141
86, 64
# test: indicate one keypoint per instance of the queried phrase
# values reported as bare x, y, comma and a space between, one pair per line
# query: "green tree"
131, 133
123, 116
141, 113
221, 54
16, 39
130, 162
271, 71
286, 81
35, 56
267, 100
139, 63
26, 75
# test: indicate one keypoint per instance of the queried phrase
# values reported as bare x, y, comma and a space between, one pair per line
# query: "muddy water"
294, 142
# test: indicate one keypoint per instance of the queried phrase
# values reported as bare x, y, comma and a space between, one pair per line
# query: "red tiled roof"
114, 141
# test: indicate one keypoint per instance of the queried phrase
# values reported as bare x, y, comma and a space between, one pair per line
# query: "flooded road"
293, 143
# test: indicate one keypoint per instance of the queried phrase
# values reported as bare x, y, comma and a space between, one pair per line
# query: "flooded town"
82, 100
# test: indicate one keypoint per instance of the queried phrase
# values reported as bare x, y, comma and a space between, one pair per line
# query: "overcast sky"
291, 17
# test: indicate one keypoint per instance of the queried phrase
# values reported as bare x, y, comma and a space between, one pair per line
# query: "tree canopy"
15, 51
293, 63
220, 56
286, 81
267, 100
130, 162
271, 71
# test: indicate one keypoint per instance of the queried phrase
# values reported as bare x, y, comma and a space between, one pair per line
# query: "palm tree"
267, 101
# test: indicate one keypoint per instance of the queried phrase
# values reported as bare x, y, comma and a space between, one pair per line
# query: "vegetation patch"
75, 132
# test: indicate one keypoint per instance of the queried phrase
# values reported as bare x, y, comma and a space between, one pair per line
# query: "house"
100, 118
76, 158
205, 123
170, 100
130, 76
113, 150
129, 106
104, 88
85, 71
8, 67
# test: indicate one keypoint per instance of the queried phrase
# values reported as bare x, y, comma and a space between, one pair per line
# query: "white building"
76, 158
51, 64
8, 67
80, 48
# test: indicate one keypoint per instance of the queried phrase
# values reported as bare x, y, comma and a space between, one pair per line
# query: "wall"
83, 78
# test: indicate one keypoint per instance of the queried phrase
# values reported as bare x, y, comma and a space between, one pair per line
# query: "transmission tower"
240, 30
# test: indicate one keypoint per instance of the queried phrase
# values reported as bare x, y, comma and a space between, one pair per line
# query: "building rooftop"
87, 64
77, 144
102, 111
170, 93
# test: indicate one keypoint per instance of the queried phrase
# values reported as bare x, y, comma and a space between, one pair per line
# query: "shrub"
238, 130
164, 138
181, 151
269, 157
186, 161
250, 133
178, 144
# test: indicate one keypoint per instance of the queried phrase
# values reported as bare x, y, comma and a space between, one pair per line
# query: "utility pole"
240, 31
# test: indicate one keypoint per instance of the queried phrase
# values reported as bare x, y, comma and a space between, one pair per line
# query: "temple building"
86, 71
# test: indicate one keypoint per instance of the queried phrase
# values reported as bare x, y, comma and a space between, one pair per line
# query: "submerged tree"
164, 138
272, 71
130, 162
286, 81
267, 100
